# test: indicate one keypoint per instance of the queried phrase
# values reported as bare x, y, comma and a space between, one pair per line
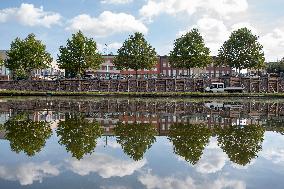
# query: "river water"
119, 143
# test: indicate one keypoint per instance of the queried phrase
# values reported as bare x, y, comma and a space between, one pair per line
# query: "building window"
165, 72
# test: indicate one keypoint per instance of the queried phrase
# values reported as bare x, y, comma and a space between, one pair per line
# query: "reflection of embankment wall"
162, 114
256, 85
144, 107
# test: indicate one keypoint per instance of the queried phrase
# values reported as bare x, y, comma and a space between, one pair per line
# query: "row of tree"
79, 136
242, 50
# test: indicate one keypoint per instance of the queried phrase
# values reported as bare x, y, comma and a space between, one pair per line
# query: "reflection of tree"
27, 135
241, 144
275, 125
189, 140
79, 135
135, 138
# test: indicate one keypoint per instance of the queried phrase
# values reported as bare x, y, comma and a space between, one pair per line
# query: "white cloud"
104, 165
273, 43
27, 173
29, 15
223, 8
107, 23
245, 25
156, 182
116, 1
215, 32
114, 45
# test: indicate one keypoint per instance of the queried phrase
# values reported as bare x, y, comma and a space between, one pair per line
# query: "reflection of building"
161, 114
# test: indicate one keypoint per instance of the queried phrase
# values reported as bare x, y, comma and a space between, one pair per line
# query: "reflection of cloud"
213, 143
28, 173
224, 183
156, 182
237, 166
106, 166
110, 143
113, 187
274, 155
211, 161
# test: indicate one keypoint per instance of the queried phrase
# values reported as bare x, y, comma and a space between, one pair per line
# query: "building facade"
209, 71
162, 68
4, 72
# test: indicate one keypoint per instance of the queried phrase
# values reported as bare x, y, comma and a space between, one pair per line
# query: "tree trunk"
136, 74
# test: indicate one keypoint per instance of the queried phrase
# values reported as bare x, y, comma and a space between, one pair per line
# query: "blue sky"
162, 21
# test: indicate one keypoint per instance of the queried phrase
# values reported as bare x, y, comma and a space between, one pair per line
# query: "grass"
139, 94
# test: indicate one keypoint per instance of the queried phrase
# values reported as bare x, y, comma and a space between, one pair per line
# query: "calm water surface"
122, 143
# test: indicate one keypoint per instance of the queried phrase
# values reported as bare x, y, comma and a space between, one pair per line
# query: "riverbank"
141, 94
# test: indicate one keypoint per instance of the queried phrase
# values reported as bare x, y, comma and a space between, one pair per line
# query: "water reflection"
78, 134
189, 140
238, 125
135, 138
141, 143
241, 143
25, 134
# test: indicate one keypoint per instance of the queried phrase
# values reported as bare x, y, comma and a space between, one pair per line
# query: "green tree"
242, 50
79, 55
135, 54
78, 135
189, 140
26, 135
190, 52
135, 138
241, 144
27, 55
276, 67
1, 61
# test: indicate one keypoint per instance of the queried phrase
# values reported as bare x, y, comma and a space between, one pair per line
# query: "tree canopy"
242, 50
135, 138
136, 53
276, 67
78, 135
190, 52
27, 55
241, 144
1, 61
190, 140
27, 135
79, 54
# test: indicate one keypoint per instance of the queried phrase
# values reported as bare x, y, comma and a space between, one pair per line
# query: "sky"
110, 22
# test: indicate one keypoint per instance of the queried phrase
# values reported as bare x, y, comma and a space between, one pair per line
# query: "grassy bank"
140, 94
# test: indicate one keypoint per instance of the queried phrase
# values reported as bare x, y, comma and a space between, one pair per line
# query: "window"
213, 86
220, 86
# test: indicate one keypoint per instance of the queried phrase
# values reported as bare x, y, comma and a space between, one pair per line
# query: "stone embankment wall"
253, 85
